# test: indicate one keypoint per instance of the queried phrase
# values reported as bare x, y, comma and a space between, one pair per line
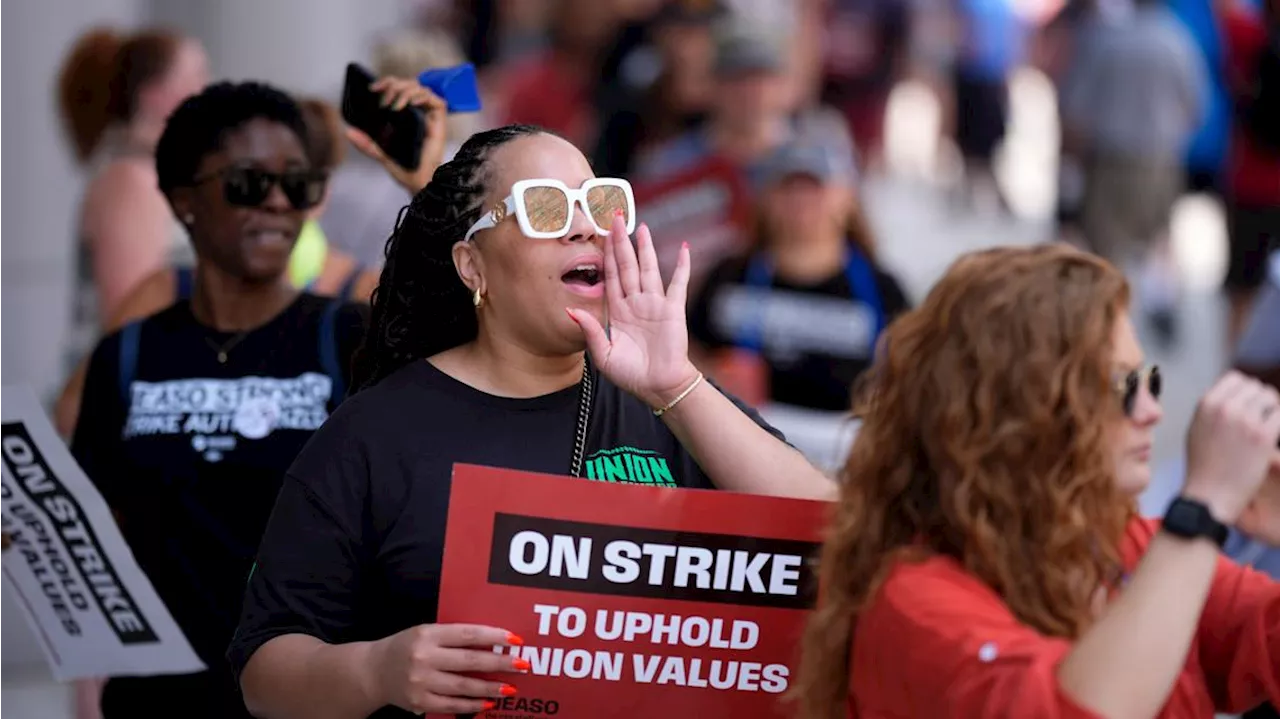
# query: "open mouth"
583, 276
268, 237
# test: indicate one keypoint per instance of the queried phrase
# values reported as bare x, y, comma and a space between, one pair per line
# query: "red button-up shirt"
936, 643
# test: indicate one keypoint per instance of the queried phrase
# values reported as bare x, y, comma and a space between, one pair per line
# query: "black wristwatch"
1190, 519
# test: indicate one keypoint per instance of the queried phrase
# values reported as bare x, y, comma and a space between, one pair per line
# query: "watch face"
1187, 518
1183, 517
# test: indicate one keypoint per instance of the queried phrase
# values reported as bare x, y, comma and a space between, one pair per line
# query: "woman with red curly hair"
986, 558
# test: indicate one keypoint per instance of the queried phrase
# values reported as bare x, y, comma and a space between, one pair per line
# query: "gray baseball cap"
810, 159
741, 50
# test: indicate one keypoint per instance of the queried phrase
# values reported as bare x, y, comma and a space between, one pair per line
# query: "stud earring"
477, 299
188, 219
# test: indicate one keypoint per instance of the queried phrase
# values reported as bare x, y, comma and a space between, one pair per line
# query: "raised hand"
397, 94
646, 350
1231, 443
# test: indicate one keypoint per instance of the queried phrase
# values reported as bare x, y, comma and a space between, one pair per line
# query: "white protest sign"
91, 608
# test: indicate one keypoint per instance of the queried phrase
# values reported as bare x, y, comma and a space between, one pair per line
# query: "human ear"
469, 265
181, 202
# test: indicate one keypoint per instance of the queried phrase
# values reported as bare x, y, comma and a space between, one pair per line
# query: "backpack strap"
759, 275
329, 335
329, 350
130, 337
185, 283
349, 284
862, 280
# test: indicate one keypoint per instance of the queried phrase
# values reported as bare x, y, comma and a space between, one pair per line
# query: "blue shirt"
1207, 150
993, 40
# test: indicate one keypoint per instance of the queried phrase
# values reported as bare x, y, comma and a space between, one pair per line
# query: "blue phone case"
455, 85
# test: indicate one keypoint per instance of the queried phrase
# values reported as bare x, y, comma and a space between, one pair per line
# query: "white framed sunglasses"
545, 207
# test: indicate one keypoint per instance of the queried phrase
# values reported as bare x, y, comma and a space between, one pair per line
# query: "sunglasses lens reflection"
547, 209
605, 202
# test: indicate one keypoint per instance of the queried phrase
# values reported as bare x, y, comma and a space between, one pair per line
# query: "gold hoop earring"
477, 299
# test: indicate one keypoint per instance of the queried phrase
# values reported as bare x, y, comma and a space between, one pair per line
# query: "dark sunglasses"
1127, 387
250, 186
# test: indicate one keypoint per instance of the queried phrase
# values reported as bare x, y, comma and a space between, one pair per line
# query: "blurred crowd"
746, 128
751, 127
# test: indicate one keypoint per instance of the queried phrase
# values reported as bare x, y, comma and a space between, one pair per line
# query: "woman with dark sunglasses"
191, 416
488, 346
986, 558
313, 265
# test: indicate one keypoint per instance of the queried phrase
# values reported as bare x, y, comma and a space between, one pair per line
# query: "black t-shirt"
191, 456
354, 547
816, 338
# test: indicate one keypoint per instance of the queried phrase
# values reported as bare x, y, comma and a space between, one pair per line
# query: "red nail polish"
488, 706
514, 639
619, 213
684, 245
508, 691
569, 312
522, 665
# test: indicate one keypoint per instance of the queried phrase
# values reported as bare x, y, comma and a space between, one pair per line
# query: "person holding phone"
986, 558
488, 346
364, 200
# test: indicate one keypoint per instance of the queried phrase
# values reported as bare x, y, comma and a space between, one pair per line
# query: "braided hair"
421, 306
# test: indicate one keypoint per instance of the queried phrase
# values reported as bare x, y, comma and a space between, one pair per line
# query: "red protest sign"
632, 600
707, 205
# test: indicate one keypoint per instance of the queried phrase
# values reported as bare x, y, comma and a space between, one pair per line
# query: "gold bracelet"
692, 386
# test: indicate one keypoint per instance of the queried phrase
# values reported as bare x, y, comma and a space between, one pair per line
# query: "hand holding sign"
420, 669
634, 600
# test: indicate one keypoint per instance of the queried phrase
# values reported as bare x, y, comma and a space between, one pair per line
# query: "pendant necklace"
225, 347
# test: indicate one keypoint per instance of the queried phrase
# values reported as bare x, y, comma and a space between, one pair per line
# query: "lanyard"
858, 271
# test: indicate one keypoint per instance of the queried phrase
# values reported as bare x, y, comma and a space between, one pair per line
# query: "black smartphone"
400, 133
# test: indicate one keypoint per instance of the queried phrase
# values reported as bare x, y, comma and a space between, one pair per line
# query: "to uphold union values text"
645, 668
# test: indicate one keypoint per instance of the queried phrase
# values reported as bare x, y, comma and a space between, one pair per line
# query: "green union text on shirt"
630, 465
